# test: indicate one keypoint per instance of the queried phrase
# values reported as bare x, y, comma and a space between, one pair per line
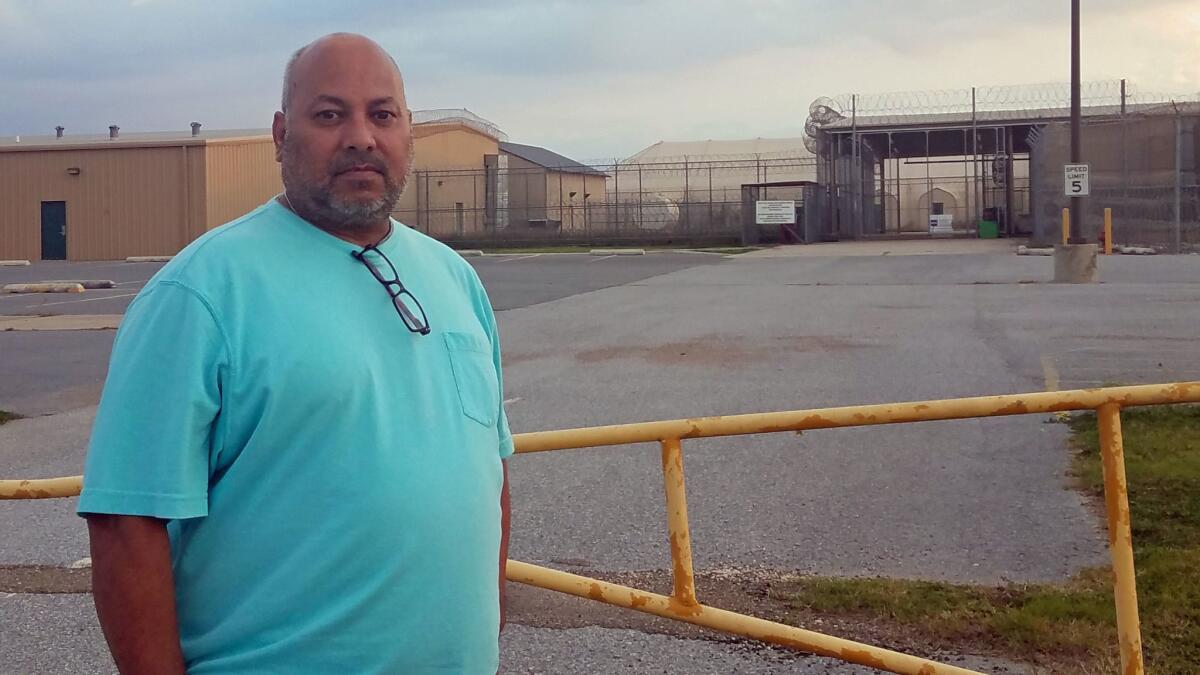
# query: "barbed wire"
1031, 97
459, 116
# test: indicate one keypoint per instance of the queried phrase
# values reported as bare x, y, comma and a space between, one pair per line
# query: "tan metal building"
549, 190
118, 195
108, 197
469, 182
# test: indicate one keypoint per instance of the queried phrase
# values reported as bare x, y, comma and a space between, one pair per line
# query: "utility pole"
1075, 260
1076, 202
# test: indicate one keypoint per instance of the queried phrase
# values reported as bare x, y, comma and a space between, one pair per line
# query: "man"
296, 466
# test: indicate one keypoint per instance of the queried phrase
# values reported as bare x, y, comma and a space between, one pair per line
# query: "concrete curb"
90, 284
14, 263
618, 251
43, 288
1135, 250
148, 258
60, 322
471, 253
1025, 250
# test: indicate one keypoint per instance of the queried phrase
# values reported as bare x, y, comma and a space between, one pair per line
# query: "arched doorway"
938, 201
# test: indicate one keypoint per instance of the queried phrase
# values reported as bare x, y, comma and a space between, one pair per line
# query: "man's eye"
385, 115
327, 115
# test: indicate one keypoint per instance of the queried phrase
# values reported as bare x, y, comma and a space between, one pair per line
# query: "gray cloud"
575, 72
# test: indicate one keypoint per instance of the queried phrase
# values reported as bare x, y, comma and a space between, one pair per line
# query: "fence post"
616, 196
687, 199
1178, 181
639, 220
1120, 540
677, 523
710, 198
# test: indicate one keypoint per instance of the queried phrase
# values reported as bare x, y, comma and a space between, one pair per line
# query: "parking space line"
601, 259
68, 302
524, 257
1049, 373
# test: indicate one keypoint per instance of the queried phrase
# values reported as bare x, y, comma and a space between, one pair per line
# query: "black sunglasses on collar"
396, 290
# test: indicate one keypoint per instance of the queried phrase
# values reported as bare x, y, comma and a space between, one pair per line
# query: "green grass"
1072, 626
6, 416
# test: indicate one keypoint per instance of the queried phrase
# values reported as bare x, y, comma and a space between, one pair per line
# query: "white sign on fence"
1075, 180
775, 212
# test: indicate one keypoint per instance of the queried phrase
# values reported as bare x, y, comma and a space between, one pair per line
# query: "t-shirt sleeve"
483, 308
159, 417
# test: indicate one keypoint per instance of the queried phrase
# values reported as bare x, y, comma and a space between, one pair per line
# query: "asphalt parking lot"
591, 340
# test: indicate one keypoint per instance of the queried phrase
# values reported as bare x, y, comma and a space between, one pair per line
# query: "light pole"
1076, 234
1075, 260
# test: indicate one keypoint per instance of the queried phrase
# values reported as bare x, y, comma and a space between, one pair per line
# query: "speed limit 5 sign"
1075, 180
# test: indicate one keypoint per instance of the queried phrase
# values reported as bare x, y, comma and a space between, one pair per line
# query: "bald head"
344, 135
352, 44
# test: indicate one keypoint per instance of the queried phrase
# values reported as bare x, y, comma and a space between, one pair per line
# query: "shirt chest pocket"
474, 376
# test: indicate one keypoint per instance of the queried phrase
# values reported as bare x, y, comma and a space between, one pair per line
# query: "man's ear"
278, 131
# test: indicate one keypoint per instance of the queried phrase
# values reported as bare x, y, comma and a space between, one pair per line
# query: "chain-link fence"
683, 200
995, 155
1142, 165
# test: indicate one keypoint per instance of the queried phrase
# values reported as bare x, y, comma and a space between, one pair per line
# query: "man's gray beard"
320, 205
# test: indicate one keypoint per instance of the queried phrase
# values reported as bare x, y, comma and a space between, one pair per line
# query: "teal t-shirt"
332, 480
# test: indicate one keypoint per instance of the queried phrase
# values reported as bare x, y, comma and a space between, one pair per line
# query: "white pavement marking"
524, 257
601, 259
68, 302
5, 596
126, 283
82, 563
1049, 373
511, 400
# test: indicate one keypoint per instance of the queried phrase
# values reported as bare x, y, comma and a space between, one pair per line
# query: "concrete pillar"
1075, 263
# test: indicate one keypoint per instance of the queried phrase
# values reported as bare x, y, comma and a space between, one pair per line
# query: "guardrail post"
677, 523
1120, 539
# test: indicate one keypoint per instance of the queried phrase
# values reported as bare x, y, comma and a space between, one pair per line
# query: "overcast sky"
590, 78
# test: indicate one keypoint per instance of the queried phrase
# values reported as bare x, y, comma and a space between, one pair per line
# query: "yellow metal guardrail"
682, 604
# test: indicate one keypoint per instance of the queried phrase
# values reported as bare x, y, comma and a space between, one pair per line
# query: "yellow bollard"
1108, 242
1120, 539
1066, 225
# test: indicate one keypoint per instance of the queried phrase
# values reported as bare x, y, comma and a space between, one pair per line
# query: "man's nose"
358, 134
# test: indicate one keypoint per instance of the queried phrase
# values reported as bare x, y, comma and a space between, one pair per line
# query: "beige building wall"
526, 192
447, 189
241, 174
450, 146
125, 201
560, 205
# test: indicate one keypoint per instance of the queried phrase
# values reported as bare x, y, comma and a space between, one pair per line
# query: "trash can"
988, 229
